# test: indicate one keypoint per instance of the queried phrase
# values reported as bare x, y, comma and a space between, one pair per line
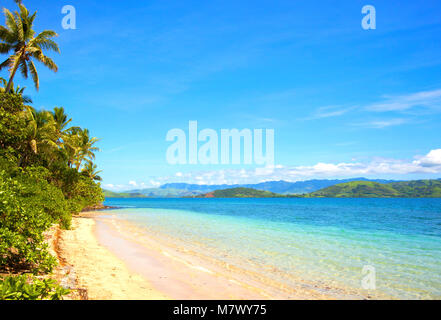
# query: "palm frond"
6, 34
10, 21
5, 64
34, 74
47, 44
48, 62
46, 34
20, 26
24, 69
5, 47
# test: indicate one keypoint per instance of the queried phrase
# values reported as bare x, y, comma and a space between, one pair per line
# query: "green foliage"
29, 205
86, 193
12, 134
42, 181
24, 287
46, 168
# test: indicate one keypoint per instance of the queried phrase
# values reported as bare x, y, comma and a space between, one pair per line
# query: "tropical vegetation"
46, 165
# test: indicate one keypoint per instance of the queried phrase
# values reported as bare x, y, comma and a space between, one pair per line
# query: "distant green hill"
418, 188
165, 192
149, 193
369, 189
281, 187
240, 193
111, 194
352, 189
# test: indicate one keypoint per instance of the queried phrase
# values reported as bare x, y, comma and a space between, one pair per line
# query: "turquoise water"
326, 241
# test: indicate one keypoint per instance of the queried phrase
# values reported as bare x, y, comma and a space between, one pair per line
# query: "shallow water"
325, 241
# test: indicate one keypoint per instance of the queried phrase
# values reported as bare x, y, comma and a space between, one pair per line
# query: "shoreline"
93, 272
136, 265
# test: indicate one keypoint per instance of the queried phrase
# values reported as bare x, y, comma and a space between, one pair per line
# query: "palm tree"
61, 121
86, 148
41, 130
17, 91
79, 146
19, 37
90, 171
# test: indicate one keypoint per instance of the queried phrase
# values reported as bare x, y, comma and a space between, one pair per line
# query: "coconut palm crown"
19, 38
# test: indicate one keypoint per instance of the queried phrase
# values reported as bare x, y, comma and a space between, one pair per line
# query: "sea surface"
328, 241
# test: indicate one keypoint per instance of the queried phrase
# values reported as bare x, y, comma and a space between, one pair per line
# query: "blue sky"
343, 101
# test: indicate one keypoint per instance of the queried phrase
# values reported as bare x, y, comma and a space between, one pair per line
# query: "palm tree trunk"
8, 87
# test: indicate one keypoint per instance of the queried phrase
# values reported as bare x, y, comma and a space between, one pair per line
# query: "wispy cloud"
424, 99
414, 104
328, 112
380, 124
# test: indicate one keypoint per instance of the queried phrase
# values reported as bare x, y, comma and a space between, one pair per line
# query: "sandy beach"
99, 274
109, 258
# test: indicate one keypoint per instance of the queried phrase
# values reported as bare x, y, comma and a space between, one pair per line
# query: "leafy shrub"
85, 193
12, 124
22, 224
39, 192
25, 287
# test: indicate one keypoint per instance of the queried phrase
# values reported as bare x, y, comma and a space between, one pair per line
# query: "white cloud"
427, 164
154, 183
377, 167
133, 183
432, 159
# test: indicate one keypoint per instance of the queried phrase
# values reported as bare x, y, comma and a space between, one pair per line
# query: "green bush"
39, 192
86, 193
22, 224
12, 125
25, 287
29, 205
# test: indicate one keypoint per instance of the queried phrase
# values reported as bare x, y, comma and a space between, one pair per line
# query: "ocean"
391, 244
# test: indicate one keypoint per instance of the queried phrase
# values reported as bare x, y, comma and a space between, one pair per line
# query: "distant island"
240, 193
351, 189
370, 189
179, 190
